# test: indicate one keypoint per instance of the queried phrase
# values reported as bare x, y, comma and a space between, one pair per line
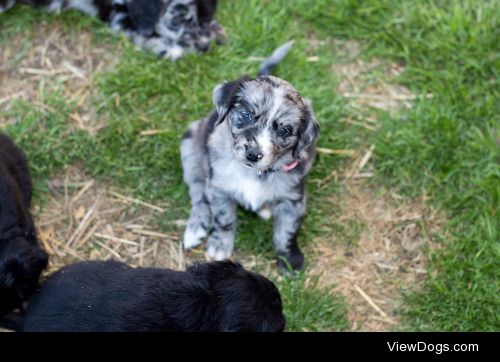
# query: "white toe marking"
175, 52
211, 252
265, 213
193, 238
218, 254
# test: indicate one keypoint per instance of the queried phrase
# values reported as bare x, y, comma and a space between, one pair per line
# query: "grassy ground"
445, 147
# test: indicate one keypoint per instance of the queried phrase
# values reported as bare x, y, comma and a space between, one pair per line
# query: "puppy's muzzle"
254, 154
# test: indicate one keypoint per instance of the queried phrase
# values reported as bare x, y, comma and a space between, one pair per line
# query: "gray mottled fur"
220, 177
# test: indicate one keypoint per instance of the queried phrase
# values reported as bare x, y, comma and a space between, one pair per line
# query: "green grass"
310, 309
46, 137
446, 147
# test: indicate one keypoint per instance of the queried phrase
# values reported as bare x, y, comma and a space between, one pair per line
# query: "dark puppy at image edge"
255, 149
21, 258
168, 28
109, 296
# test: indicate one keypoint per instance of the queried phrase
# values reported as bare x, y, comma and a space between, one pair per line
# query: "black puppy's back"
95, 297
113, 297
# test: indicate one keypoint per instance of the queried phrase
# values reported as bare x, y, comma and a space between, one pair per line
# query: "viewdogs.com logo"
437, 348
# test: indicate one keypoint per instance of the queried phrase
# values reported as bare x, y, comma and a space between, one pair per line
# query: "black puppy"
21, 259
110, 296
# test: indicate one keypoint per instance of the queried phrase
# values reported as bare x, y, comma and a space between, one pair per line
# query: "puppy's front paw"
174, 52
218, 250
193, 237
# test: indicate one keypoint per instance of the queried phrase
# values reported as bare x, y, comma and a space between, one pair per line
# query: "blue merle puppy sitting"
255, 149
21, 258
169, 28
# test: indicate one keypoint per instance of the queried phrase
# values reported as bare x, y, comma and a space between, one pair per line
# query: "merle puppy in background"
109, 296
255, 149
21, 258
169, 28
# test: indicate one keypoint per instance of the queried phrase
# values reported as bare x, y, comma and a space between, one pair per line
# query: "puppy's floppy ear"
216, 271
220, 270
144, 15
31, 262
39, 259
308, 131
206, 10
24, 267
224, 96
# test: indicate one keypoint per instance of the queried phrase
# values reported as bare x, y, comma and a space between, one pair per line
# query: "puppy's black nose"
254, 155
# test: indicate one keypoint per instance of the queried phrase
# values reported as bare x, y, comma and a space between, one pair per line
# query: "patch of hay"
84, 220
53, 58
388, 257
370, 83
355, 83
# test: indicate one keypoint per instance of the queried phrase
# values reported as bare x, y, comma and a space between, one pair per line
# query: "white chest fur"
248, 189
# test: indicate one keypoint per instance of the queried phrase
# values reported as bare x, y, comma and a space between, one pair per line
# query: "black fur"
111, 296
144, 15
225, 98
21, 258
206, 9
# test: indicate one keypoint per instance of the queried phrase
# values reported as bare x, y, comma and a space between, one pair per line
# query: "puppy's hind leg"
194, 176
287, 216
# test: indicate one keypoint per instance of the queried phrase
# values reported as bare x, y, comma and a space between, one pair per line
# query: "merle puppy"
169, 28
21, 259
255, 149
110, 296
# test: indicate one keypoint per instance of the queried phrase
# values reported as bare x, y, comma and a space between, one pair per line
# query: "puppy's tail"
277, 56
12, 321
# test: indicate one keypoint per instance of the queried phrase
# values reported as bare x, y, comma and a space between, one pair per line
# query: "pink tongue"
290, 166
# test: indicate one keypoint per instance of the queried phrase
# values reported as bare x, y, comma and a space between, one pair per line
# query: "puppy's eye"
284, 132
247, 117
